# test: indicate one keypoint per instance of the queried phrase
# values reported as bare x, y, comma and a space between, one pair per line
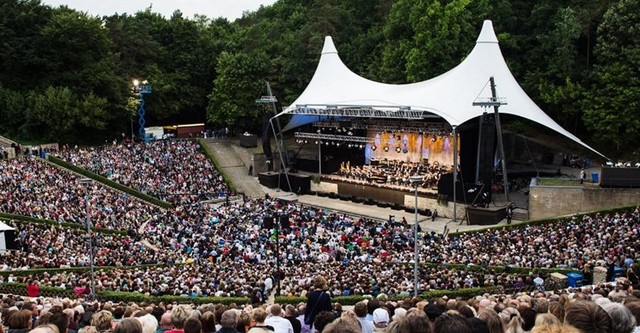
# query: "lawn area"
563, 182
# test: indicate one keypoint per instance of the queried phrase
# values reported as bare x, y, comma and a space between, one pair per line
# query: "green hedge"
498, 269
110, 183
28, 272
114, 296
465, 293
216, 164
35, 220
10, 288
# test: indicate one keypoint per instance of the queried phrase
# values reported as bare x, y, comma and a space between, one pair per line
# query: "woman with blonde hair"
493, 321
547, 319
511, 320
102, 321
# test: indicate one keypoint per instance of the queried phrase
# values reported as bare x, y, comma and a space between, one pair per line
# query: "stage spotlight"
318, 142
398, 149
434, 138
361, 146
319, 131
305, 141
338, 144
374, 147
386, 148
326, 143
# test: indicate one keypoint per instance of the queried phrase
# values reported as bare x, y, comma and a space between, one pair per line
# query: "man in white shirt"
268, 285
279, 323
361, 312
539, 283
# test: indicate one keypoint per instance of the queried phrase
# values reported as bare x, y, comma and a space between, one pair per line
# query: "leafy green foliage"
239, 83
611, 106
67, 75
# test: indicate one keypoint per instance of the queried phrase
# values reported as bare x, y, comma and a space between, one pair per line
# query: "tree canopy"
67, 75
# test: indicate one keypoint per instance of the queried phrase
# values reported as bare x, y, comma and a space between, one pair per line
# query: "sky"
231, 9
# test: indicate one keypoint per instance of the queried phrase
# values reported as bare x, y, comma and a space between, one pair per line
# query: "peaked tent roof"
5, 227
449, 95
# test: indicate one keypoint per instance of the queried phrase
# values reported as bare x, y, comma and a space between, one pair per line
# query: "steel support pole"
455, 171
505, 179
415, 246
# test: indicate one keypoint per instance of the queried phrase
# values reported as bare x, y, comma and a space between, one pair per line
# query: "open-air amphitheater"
166, 223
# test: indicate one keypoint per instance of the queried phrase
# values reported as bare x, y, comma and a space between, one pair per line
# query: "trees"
239, 82
611, 104
215, 69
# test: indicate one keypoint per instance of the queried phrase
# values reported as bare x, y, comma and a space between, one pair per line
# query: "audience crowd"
233, 249
606, 308
32, 187
357, 255
171, 170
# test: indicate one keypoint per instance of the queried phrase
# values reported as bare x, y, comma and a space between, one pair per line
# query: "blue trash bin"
594, 177
574, 279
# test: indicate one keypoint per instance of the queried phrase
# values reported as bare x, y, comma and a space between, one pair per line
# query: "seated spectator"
452, 323
622, 319
128, 325
587, 317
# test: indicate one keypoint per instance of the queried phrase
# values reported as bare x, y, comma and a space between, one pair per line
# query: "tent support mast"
479, 146
319, 159
275, 121
496, 105
455, 171
495, 102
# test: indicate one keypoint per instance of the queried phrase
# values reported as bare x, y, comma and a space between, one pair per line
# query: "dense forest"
66, 76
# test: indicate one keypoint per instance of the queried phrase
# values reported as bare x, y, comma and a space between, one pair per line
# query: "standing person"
583, 175
509, 213
317, 301
33, 288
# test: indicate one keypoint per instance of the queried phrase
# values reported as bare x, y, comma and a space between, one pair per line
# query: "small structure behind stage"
7, 238
485, 216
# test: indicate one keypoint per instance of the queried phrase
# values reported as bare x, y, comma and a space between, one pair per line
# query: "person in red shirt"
33, 288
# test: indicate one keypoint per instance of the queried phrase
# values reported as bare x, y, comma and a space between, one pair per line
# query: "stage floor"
236, 164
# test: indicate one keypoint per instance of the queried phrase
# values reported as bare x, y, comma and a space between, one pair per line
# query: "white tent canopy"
449, 95
3, 241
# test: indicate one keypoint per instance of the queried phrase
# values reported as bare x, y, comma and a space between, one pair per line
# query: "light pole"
141, 88
87, 182
278, 274
415, 181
